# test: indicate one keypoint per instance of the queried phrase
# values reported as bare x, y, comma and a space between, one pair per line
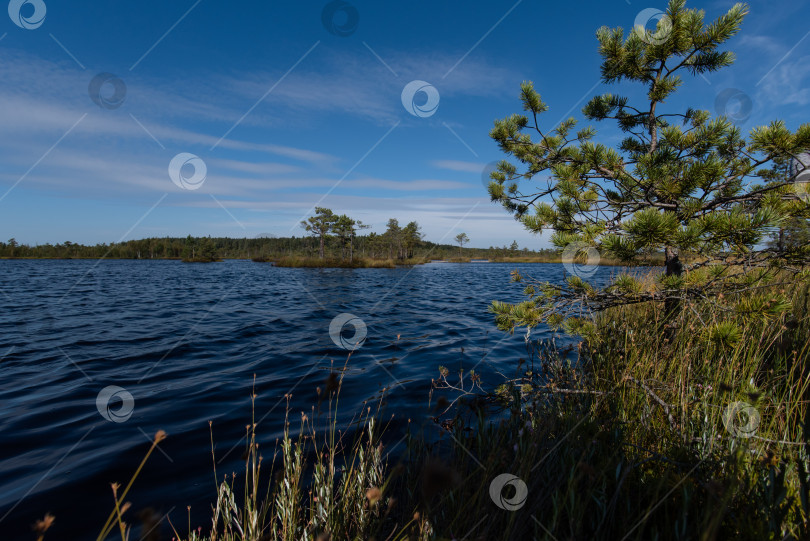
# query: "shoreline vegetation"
653, 427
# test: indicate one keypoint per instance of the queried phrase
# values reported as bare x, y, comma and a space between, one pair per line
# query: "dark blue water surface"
185, 340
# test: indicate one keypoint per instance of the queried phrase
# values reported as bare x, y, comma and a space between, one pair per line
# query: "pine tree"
320, 226
411, 237
680, 182
208, 251
189, 249
461, 239
394, 236
346, 229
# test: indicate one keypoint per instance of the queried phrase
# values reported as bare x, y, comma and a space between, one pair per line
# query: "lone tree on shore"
320, 225
461, 239
680, 182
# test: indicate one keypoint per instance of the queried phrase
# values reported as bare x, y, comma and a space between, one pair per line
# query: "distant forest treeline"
372, 245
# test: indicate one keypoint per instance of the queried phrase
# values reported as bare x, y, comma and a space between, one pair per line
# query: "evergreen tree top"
679, 181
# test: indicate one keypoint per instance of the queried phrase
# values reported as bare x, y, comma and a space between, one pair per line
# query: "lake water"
184, 341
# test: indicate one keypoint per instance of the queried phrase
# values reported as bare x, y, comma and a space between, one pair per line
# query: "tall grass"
657, 429
327, 484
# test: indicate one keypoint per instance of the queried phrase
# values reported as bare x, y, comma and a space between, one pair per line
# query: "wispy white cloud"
360, 86
111, 156
418, 185
760, 43
788, 84
462, 166
255, 168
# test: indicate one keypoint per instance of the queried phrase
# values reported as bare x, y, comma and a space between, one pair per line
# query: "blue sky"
286, 114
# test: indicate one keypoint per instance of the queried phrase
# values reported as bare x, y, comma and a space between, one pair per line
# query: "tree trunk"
673, 262
320, 252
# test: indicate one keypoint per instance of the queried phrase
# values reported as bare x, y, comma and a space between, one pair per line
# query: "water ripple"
191, 343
